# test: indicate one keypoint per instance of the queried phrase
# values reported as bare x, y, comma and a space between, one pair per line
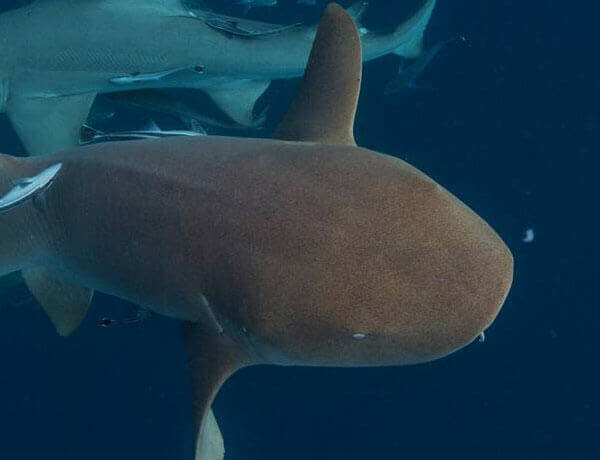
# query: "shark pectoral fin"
324, 107
213, 357
237, 99
65, 303
49, 124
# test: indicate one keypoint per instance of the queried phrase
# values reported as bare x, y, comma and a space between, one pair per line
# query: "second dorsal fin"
324, 107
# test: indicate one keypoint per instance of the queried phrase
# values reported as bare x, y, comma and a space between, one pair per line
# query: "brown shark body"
305, 251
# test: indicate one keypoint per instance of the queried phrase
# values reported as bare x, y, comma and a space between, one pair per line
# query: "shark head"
399, 272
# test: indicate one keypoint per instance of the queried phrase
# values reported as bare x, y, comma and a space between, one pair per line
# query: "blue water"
509, 127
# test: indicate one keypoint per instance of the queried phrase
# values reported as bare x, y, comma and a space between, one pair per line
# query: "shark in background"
408, 75
59, 54
410, 72
189, 107
248, 4
304, 249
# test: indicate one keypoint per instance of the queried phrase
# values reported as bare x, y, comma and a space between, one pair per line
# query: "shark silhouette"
64, 52
304, 249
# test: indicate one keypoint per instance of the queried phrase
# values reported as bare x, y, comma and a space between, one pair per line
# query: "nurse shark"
304, 249
56, 55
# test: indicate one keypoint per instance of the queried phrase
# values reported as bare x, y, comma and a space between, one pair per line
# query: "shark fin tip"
65, 303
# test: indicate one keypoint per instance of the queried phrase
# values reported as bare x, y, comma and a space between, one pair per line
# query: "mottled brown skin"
296, 246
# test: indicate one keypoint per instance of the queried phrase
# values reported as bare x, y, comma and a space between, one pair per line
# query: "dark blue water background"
511, 128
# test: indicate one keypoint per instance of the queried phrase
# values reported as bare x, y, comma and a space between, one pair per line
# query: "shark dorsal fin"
324, 107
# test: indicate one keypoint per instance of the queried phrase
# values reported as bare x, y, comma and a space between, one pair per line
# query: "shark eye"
199, 69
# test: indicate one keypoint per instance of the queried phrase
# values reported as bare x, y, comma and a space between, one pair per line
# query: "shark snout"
473, 301
444, 284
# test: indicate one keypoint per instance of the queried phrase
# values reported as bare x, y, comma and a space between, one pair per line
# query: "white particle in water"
528, 236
